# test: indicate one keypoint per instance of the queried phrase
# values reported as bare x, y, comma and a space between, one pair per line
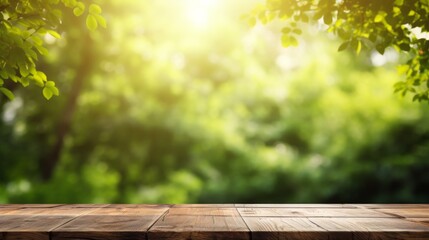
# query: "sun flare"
198, 13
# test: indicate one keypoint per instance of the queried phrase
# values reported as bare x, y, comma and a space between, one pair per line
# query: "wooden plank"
406, 212
7, 210
111, 223
203, 206
199, 227
267, 228
424, 221
372, 228
141, 210
138, 206
66, 210
309, 212
30, 227
102, 227
374, 206
204, 211
295, 205
28, 205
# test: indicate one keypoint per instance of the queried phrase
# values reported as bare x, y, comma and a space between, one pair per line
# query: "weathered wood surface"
214, 221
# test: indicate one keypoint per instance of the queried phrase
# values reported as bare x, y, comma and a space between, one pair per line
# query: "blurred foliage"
363, 24
199, 108
24, 27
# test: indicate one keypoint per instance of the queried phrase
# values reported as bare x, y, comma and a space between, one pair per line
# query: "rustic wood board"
267, 228
7, 210
424, 221
199, 227
138, 206
310, 212
111, 223
204, 211
373, 206
295, 205
30, 227
29, 205
204, 205
218, 221
66, 210
373, 228
406, 212
140, 210
100, 227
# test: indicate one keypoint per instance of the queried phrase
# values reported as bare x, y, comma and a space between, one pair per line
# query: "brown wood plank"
204, 205
267, 228
7, 210
295, 205
111, 223
372, 228
30, 227
406, 212
374, 206
309, 212
141, 210
204, 211
29, 205
139, 205
62, 210
199, 227
424, 221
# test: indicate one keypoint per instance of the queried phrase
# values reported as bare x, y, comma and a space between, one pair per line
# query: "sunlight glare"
198, 12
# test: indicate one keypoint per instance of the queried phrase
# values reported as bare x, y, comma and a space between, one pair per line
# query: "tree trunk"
49, 160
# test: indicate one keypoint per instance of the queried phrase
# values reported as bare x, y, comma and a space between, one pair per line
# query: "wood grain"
374, 206
217, 221
424, 221
268, 228
30, 227
204, 211
202, 227
203, 205
135, 210
62, 210
406, 212
310, 212
373, 228
114, 222
295, 205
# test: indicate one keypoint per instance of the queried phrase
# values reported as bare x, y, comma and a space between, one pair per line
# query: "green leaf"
47, 93
297, 31
25, 81
7, 93
101, 21
94, 9
380, 48
91, 22
399, 2
327, 18
54, 34
55, 91
50, 84
77, 11
343, 34
286, 30
343, 46
379, 18
358, 47
405, 47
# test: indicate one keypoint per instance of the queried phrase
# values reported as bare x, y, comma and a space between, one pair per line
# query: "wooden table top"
214, 221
